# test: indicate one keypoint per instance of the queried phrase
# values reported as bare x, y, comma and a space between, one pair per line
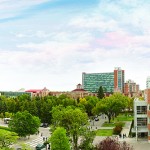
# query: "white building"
142, 116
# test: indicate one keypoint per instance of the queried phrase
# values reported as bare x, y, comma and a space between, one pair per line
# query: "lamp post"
136, 132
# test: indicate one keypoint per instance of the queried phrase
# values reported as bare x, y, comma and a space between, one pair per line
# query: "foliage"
25, 147
117, 130
73, 120
59, 140
23, 123
112, 105
100, 93
5, 128
87, 140
7, 138
113, 144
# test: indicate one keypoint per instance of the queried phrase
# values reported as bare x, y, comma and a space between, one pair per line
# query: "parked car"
45, 125
96, 119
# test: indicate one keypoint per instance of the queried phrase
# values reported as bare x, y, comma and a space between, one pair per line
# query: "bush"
113, 144
118, 128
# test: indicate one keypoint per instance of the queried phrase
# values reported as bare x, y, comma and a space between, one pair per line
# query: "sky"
49, 43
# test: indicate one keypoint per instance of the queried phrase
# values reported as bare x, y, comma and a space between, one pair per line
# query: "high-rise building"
111, 81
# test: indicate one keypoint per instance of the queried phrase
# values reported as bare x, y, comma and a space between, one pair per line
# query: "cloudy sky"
49, 43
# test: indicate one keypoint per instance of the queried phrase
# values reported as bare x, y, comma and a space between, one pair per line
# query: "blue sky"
49, 43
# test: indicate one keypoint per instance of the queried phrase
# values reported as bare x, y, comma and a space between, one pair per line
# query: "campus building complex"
142, 116
111, 82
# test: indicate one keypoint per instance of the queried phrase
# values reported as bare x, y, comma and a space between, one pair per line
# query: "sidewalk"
126, 128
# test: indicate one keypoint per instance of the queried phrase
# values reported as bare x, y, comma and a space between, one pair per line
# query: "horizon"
49, 43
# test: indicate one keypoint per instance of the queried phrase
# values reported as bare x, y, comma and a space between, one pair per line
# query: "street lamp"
136, 132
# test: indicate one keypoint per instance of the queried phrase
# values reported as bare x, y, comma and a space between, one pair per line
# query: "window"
141, 109
141, 122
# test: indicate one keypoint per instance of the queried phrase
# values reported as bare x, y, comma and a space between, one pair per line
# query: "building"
38, 92
148, 82
131, 88
79, 92
111, 81
142, 116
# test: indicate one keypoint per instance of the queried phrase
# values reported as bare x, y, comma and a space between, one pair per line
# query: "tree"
112, 105
59, 140
100, 93
7, 138
113, 144
87, 140
73, 120
23, 123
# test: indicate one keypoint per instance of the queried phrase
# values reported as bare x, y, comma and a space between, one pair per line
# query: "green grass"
123, 117
104, 132
112, 124
106, 124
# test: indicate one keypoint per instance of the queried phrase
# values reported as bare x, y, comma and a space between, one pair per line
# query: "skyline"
49, 43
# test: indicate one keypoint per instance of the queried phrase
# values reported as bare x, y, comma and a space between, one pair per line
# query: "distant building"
79, 92
38, 92
131, 88
111, 81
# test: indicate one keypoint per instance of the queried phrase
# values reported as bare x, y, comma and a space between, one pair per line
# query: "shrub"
113, 144
117, 130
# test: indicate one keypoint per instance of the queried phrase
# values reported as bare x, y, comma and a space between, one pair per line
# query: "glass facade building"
109, 81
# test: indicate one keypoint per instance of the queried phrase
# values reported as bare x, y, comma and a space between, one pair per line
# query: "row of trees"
67, 113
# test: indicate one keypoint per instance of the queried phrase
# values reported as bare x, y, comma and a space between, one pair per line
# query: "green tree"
87, 140
23, 123
59, 140
73, 120
112, 105
100, 93
7, 138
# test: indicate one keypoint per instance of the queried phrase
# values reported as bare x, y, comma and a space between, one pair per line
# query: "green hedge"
5, 128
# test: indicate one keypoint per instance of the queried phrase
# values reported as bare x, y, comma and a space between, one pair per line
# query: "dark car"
45, 125
96, 119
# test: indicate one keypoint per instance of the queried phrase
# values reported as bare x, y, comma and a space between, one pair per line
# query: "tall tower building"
111, 81
118, 80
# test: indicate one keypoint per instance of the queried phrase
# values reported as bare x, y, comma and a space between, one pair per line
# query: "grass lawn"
104, 132
124, 117
106, 124
111, 124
